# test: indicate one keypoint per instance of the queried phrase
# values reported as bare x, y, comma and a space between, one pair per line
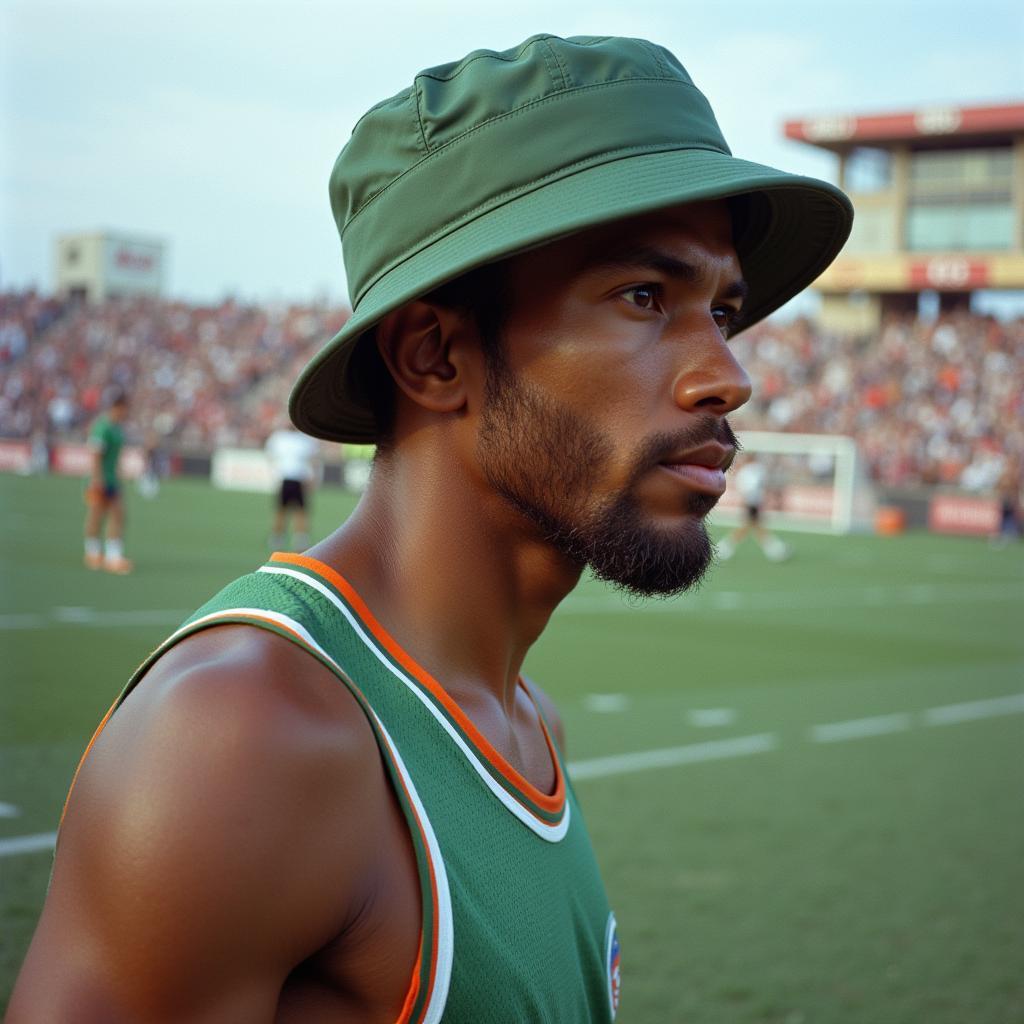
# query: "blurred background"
804, 781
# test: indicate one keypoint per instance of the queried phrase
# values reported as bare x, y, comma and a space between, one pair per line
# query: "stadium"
802, 780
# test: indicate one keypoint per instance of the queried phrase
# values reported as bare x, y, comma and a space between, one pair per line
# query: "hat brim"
793, 233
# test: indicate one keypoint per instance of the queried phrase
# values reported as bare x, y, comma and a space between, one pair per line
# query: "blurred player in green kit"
105, 505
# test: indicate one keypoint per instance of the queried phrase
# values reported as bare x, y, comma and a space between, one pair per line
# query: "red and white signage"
964, 514
954, 273
809, 501
911, 124
242, 469
133, 266
67, 459
15, 456
76, 460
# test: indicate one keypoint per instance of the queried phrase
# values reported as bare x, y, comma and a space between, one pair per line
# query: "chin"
656, 560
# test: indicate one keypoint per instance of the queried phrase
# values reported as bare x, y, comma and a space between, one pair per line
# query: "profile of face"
604, 417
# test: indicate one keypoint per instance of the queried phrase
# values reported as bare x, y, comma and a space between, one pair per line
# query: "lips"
702, 469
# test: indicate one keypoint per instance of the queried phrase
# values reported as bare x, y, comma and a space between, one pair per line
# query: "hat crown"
501, 102
458, 97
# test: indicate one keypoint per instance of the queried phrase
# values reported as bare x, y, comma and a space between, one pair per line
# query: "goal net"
813, 482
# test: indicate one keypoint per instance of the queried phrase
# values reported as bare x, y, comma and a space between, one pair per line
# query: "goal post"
815, 483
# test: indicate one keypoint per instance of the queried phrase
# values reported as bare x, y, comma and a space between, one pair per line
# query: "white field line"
872, 596
710, 718
27, 844
921, 594
858, 728
93, 617
9, 810
606, 703
669, 757
712, 750
951, 714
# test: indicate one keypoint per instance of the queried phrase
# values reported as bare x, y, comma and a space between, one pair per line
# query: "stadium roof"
838, 132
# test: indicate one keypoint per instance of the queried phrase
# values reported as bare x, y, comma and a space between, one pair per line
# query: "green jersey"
516, 926
107, 438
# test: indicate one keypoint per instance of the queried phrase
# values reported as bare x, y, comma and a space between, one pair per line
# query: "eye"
643, 296
727, 318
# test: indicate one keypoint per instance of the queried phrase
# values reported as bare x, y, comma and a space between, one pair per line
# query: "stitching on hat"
566, 80
503, 197
554, 72
509, 114
487, 55
403, 95
654, 52
418, 117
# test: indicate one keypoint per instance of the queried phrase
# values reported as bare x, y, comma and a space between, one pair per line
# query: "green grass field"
762, 868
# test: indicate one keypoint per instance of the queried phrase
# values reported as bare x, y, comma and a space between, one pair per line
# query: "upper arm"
189, 875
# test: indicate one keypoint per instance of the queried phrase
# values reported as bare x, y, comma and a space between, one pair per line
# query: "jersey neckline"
548, 808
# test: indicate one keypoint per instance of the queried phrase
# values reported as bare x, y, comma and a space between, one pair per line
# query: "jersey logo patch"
613, 959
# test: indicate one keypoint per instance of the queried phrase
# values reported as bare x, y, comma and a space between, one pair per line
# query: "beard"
542, 458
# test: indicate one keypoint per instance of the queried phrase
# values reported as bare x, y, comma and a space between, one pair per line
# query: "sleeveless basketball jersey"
516, 926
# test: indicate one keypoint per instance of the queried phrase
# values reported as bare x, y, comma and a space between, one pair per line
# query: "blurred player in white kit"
750, 479
294, 458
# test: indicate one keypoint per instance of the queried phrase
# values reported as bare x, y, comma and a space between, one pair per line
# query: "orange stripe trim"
553, 803
85, 754
414, 987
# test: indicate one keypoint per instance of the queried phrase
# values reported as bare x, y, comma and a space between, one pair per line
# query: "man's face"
604, 413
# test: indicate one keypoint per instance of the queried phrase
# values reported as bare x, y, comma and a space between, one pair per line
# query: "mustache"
662, 446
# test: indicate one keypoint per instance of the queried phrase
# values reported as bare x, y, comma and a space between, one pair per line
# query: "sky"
214, 125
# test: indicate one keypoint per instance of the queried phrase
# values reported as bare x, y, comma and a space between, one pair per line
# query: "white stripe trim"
552, 833
260, 613
445, 923
609, 935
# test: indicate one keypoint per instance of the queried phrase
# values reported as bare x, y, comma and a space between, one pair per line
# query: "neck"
458, 577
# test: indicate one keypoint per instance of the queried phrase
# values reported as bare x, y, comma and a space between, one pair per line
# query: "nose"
712, 381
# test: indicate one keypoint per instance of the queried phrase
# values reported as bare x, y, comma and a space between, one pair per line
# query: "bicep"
189, 876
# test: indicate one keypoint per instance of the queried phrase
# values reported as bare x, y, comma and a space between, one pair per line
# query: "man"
293, 458
103, 499
546, 250
750, 479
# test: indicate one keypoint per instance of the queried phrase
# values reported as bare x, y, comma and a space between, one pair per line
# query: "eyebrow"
650, 257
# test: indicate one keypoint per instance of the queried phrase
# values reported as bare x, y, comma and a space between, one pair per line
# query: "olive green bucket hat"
502, 152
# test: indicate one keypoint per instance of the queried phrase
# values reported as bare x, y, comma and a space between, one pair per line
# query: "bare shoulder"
549, 710
243, 709
232, 781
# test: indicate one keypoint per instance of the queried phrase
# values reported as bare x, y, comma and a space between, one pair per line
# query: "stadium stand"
938, 402
199, 376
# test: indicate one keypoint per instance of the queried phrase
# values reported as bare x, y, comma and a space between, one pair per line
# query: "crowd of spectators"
929, 402
199, 377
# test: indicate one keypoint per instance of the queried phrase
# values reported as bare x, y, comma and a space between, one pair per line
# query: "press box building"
939, 199
103, 265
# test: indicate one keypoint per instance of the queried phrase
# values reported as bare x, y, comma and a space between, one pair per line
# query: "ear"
421, 345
